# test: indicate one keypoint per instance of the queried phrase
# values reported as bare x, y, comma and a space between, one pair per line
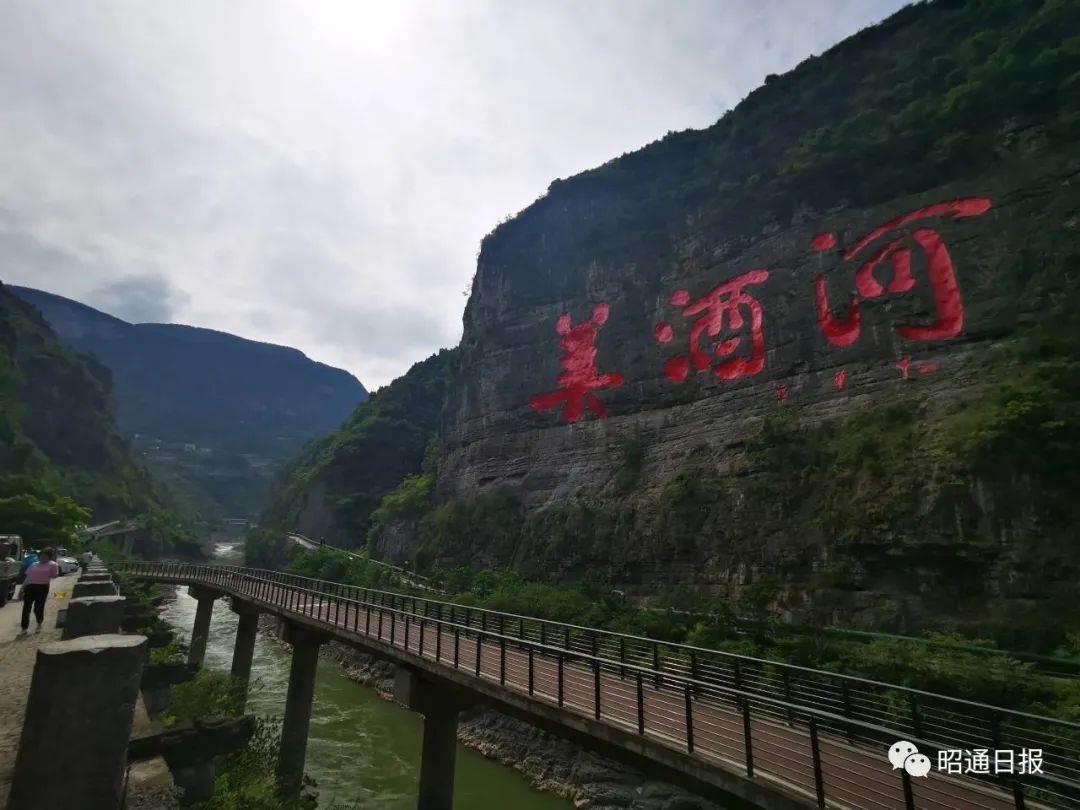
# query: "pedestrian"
30, 558
39, 577
86, 559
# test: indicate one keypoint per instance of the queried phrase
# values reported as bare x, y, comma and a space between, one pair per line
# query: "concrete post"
294, 726
244, 649
440, 708
93, 616
201, 631
78, 721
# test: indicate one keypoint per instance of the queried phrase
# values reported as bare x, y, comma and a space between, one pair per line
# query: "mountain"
333, 488
821, 356
218, 412
59, 438
825, 349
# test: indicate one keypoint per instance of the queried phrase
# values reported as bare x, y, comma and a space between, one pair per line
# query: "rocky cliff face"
796, 350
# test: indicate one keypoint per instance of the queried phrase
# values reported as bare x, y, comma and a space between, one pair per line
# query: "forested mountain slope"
217, 411
59, 439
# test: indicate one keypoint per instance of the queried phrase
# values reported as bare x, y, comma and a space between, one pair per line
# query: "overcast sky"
320, 173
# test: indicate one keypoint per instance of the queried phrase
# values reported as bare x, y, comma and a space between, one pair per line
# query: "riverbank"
549, 763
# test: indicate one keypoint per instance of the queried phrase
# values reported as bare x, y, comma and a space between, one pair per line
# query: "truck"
11, 554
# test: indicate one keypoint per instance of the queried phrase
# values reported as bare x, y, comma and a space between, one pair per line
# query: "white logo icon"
917, 765
900, 751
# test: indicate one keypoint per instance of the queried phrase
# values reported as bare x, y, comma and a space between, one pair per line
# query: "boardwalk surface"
854, 777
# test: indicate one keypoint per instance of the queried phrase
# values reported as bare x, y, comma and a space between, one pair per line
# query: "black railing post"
689, 718
543, 633
438, 639
622, 657
909, 795
845, 697
393, 628
640, 704
787, 696
1018, 795
531, 670
502, 659
815, 750
457, 644
596, 688
380, 623
367, 620
656, 664
736, 674
420, 645
479, 641
560, 679
693, 670
407, 623
747, 737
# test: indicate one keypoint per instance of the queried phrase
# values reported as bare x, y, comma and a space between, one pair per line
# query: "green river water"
362, 750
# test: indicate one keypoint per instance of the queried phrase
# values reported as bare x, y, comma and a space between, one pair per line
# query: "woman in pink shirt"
36, 588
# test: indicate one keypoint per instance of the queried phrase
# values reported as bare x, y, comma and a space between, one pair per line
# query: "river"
362, 750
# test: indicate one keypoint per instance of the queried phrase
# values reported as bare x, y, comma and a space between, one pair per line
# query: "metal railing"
823, 732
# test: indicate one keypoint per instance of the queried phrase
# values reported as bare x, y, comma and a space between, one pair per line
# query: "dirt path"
17, 655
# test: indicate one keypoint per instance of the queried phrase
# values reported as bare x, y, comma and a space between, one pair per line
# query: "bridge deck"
720, 725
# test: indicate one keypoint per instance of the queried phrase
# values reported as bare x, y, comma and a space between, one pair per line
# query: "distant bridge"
738, 730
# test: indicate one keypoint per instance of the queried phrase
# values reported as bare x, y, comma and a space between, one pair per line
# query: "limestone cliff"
821, 347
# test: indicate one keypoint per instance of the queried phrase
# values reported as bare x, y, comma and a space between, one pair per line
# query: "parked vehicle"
67, 564
11, 553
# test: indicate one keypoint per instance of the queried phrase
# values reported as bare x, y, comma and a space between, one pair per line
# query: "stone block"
93, 616
104, 576
82, 589
78, 721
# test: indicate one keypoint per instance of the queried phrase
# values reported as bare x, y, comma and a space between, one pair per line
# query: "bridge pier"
244, 648
440, 708
294, 726
201, 631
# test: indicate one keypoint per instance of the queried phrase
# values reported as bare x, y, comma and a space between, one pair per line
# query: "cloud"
321, 174
139, 299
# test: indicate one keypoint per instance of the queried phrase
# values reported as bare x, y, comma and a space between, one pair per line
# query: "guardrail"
709, 703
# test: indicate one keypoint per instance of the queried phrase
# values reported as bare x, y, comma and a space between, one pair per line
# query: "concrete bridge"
737, 730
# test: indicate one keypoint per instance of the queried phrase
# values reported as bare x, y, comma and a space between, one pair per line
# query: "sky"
319, 173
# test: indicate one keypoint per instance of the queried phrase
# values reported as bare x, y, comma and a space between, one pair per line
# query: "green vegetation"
324, 563
943, 666
31, 508
213, 412
62, 460
383, 441
247, 781
209, 695
172, 653
937, 91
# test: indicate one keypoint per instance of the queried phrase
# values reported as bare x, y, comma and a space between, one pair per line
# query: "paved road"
17, 657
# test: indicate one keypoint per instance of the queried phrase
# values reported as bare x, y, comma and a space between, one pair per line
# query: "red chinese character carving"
927, 367
905, 367
839, 378
580, 375
722, 303
781, 392
950, 309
